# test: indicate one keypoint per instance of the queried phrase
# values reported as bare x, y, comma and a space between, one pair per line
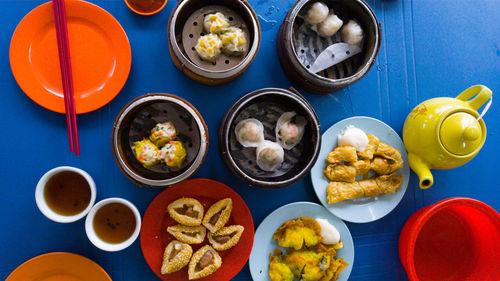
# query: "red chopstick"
66, 74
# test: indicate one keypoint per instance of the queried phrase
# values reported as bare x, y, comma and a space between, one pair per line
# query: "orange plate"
154, 235
100, 56
57, 267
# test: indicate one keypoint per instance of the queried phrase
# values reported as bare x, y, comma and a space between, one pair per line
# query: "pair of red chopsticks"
67, 78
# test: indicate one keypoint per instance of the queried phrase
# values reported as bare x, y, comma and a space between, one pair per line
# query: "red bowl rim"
428, 212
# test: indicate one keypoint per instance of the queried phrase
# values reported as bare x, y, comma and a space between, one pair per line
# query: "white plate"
365, 209
264, 244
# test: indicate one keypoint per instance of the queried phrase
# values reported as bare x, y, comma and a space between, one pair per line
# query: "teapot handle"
475, 96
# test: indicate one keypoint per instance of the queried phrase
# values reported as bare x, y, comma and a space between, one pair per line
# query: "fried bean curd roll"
188, 234
146, 152
204, 262
298, 233
175, 257
388, 152
370, 149
338, 172
362, 166
389, 183
370, 187
383, 166
227, 237
163, 133
218, 214
186, 211
345, 153
340, 191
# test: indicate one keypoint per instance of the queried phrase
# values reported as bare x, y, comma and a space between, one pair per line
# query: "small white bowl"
47, 211
89, 227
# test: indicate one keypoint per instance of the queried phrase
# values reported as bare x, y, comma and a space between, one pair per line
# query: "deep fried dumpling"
204, 262
175, 257
226, 237
218, 214
188, 234
186, 211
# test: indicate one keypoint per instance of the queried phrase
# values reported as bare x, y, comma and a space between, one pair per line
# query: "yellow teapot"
444, 133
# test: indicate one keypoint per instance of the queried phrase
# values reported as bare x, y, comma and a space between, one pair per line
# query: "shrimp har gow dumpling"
249, 132
329, 26
289, 130
352, 33
317, 13
270, 155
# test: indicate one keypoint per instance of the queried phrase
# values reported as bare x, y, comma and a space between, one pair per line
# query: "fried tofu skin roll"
388, 152
186, 211
227, 237
370, 187
175, 257
188, 234
345, 153
370, 149
383, 166
338, 172
218, 214
340, 191
204, 262
362, 166
389, 183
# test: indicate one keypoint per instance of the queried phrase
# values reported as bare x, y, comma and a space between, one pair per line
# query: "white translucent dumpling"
290, 129
249, 132
270, 155
209, 47
215, 23
234, 41
329, 26
354, 137
317, 13
352, 33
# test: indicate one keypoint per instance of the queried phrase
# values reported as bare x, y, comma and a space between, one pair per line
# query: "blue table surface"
429, 49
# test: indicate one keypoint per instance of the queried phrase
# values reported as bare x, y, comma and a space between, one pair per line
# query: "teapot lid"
460, 133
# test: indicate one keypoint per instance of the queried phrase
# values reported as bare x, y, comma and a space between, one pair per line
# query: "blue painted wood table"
429, 48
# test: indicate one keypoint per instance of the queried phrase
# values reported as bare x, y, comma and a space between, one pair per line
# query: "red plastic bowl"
454, 239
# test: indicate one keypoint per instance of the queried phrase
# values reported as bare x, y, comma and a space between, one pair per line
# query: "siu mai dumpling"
163, 133
249, 132
209, 47
146, 152
234, 41
218, 214
175, 257
186, 211
188, 234
173, 154
215, 23
290, 129
270, 155
227, 237
204, 262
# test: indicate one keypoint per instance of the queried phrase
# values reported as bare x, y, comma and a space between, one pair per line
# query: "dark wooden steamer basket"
136, 120
267, 105
182, 11
352, 9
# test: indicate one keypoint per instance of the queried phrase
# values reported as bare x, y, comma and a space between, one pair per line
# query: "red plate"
154, 235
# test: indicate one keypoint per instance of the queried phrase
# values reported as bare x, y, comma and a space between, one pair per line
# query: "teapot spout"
421, 169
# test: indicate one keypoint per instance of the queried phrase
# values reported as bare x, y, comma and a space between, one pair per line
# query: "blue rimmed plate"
365, 209
264, 244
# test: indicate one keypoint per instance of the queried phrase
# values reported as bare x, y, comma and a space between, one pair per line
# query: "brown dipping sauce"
67, 193
114, 223
146, 6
